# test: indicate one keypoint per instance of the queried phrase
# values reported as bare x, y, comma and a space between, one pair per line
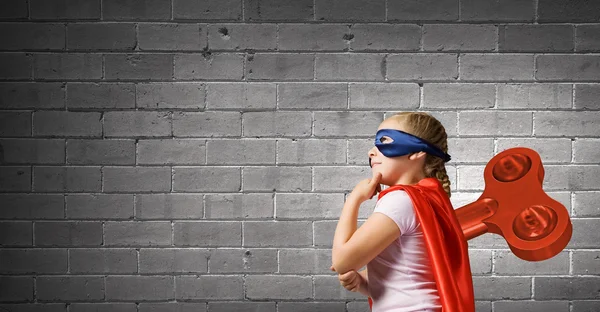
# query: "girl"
414, 249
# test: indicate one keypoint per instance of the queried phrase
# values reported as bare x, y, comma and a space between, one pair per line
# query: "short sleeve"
398, 206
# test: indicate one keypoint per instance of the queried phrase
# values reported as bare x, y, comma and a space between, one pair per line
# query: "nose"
373, 151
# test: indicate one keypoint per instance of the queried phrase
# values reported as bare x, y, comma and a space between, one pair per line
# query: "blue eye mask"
404, 144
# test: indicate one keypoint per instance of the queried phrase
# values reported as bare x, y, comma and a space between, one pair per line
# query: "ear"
417, 155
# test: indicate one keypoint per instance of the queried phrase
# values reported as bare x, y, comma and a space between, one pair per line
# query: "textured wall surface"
194, 155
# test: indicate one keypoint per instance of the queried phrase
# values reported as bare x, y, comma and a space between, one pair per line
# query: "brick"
550, 150
65, 9
312, 306
140, 288
586, 262
312, 37
535, 38
586, 96
584, 204
496, 67
341, 178
277, 124
101, 152
239, 206
329, 287
242, 37
67, 179
279, 66
18, 233
383, 96
241, 96
172, 307
278, 10
15, 124
495, 123
64, 123
470, 177
531, 306
25, 95
103, 261
15, 179
563, 10
16, 66
309, 206
358, 151
173, 260
506, 263
277, 234
587, 38
147, 233
16, 288
346, 123
32, 36
464, 96
209, 65
171, 151
33, 151
339, 10
568, 67
31, 206
246, 306
207, 179
584, 233
168, 206
137, 179
236, 152
367, 37
444, 37
16, 9
207, 10
208, 233
350, 67
302, 261
137, 124
72, 288
576, 177
422, 66
100, 95
158, 36
67, 66
33, 261
101, 36
48, 307
471, 149
324, 232
585, 306
277, 179
579, 123
496, 287
311, 151
480, 261
102, 307
67, 233
315, 96
136, 10
210, 287
565, 287
99, 206
243, 261
138, 66
276, 287
207, 124
497, 10
357, 306
420, 10
531, 96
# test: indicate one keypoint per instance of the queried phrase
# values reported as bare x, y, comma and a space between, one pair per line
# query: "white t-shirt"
400, 277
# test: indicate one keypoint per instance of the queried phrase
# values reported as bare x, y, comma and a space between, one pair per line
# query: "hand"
351, 280
367, 188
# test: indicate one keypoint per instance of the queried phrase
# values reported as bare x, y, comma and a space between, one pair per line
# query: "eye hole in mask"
402, 143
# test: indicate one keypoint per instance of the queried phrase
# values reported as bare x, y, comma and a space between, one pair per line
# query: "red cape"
446, 244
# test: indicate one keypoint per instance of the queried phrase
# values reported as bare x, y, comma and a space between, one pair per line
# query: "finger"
332, 269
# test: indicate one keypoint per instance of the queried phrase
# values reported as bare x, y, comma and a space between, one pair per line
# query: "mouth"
374, 164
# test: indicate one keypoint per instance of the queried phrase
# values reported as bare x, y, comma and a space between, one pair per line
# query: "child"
414, 249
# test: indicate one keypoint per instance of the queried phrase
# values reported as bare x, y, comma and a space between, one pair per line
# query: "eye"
386, 139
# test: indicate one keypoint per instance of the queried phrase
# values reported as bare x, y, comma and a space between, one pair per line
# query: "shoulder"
395, 198
398, 206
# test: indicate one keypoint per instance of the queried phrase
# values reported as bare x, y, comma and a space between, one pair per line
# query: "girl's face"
395, 170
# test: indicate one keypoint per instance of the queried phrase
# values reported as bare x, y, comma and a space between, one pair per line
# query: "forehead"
391, 124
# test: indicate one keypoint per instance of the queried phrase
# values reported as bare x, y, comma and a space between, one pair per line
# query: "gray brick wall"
194, 155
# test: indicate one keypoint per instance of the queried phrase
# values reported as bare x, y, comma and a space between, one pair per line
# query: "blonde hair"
428, 128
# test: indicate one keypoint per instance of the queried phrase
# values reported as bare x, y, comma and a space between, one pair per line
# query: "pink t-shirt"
400, 277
